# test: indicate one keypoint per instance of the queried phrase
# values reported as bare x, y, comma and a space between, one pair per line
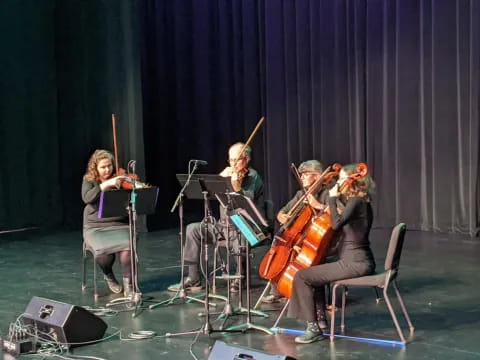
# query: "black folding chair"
381, 280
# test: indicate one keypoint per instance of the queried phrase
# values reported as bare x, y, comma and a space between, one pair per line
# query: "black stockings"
105, 261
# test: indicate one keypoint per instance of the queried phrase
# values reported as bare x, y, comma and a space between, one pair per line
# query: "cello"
293, 231
316, 242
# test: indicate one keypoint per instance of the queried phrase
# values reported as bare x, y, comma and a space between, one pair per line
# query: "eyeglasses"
236, 160
307, 173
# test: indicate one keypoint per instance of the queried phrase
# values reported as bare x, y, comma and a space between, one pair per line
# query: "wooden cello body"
315, 243
279, 255
294, 232
312, 252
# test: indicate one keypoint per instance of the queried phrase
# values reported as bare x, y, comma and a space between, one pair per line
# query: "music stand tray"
213, 183
246, 217
115, 202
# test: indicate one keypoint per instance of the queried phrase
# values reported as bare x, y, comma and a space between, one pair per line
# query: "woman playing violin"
105, 236
355, 257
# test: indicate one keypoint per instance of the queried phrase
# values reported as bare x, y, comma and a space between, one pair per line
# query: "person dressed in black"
244, 180
351, 216
310, 171
107, 237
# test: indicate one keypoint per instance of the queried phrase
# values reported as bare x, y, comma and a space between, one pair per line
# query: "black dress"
355, 259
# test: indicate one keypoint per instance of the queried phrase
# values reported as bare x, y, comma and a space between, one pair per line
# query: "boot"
322, 320
312, 333
127, 286
113, 284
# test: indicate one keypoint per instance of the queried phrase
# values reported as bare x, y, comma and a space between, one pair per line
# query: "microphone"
131, 164
201, 162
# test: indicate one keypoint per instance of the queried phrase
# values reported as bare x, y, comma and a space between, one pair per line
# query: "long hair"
364, 187
92, 174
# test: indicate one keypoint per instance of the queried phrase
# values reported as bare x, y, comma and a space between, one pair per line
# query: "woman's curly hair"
364, 187
92, 173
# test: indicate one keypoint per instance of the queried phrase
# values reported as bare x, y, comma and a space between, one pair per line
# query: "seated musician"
107, 237
355, 257
246, 181
310, 171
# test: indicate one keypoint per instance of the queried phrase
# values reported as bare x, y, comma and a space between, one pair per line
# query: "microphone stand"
181, 293
206, 328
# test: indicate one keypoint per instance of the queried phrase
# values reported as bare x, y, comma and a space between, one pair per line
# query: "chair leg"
214, 280
267, 287
344, 302
378, 298
402, 305
281, 314
84, 271
332, 317
392, 313
95, 290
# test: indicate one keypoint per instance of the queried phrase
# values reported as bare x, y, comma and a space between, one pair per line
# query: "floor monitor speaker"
222, 351
63, 323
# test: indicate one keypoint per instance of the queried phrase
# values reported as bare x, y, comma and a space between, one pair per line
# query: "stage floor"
438, 279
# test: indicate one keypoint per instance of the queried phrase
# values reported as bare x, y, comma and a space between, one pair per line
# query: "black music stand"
212, 183
243, 218
205, 186
192, 188
138, 201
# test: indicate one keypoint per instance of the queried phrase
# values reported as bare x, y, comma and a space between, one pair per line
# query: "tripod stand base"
132, 302
250, 326
184, 297
244, 310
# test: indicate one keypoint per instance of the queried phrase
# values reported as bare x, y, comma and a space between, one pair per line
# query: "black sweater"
354, 223
91, 197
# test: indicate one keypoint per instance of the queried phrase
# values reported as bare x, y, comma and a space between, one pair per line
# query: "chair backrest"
395, 246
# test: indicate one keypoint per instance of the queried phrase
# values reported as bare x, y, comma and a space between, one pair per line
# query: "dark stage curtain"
201, 86
29, 133
65, 67
98, 73
392, 83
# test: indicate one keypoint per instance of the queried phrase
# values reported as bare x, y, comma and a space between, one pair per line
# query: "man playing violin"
355, 258
244, 180
310, 171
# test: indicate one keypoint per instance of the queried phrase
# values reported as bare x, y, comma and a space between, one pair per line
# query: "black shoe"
322, 321
312, 333
127, 287
188, 284
113, 284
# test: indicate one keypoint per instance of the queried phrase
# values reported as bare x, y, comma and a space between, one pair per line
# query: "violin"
129, 181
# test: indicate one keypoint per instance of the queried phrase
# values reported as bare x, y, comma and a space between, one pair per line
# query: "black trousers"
308, 294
